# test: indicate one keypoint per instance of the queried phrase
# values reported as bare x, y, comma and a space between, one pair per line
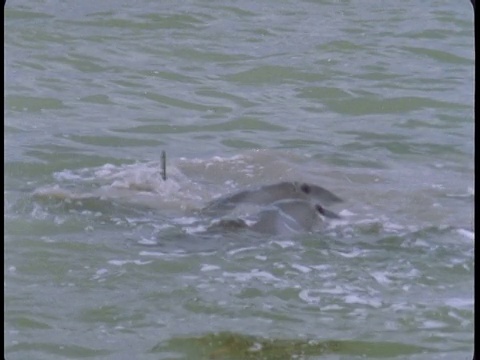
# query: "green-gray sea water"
372, 100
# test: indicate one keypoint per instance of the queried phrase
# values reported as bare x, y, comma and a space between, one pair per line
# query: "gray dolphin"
268, 194
290, 216
281, 217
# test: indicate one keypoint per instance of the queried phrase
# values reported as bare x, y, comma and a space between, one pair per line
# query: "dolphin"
268, 194
288, 216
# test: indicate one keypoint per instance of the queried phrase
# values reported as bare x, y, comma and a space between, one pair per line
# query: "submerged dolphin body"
268, 194
286, 208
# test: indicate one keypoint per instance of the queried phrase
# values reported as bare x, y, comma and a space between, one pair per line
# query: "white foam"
161, 254
433, 324
470, 235
254, 274
380, 277
284, 244
354, 253
124, 262
305, 296
195, 229
421, 243
105, 170
69, 175
239, 250
460, 303
301, 268
100, 274
144, 241
392, 227
322, 267
335, 291
346, 213
355, 299
255, 347
208, 267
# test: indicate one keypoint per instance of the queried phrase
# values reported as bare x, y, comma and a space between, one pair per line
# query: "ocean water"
103, 259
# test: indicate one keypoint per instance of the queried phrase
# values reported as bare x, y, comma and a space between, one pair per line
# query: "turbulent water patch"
287, 207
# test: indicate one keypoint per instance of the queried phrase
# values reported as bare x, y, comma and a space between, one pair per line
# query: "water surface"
104, 259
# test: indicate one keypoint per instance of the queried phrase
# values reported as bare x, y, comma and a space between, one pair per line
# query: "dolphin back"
268, 194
